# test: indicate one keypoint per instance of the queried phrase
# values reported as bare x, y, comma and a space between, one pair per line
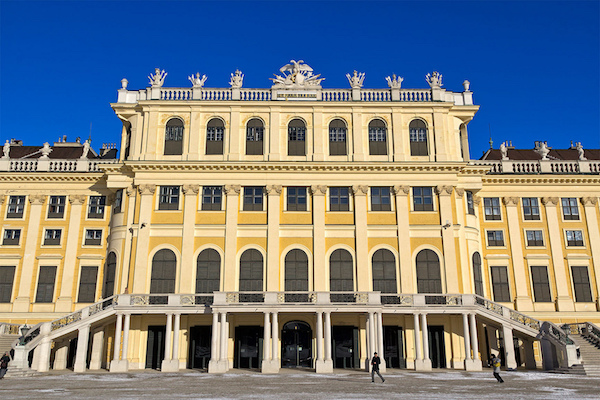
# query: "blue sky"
534, 66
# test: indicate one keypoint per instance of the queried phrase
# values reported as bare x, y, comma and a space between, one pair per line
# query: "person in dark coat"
495, 361
4, 364
375, 361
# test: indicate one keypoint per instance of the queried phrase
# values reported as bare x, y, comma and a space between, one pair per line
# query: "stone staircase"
590, 353
6, 342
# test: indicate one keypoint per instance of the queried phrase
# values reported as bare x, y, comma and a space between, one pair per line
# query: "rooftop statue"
578, 146
158, 78
237, 79
46, 150
86, 150
504, 151
356, 80
542, 149
297, 75
6, 149
394, 82
197, 82
434, 79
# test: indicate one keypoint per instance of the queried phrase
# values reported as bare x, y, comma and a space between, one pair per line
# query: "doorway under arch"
296, 345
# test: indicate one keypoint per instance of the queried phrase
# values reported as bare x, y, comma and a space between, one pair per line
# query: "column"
115, 365
126, 324
214, 340
82, 349
407, 283
328, 339
320, 138
275, 340
224, 338
509, 348
97, 349
426, 366
275, 132
60, 356
357, 137
190, 205
267, 338
523, 300
440, 127
380, 348
236, 135
217, 364
44, 348
23, 300
465, 270
401, 152
448, 242
143, 238
564, 302
363, 274
318, 220
175, 355
230, 275
64, 303
273, 201
371, 339
126, 286
319, 337
591, 220
467, 340
417, 333
529, 354
165, 366
475, 343
270, 363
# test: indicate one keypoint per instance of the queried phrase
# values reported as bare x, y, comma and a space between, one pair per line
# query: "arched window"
418, 138
296, 138
384, 272
208, 271
251, 271
110, 268
377, 138
215, 131
174, 137
164, 265
296, 271
341, 271
254, 137
429, 279
477, 278
337, 138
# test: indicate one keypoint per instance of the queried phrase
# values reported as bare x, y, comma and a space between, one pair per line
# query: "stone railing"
529, 167
176, 94
53, 165
255, 94
336, 94
375, 95
9, 329
585, 329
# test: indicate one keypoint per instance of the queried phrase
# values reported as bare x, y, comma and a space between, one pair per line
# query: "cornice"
54, 177
541, 179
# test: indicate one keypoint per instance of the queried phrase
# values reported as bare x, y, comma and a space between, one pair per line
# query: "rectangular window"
253, 198
45, 288
423, 198
541, 284
93, 237
11, 237
56, 206
491, 207
495, 238
570, 208
52, 237
96, 207
169, 198
87, 285
118, 206
535, 238
381, 199
500, 284
531, 208
339, 199
7, 276
581, 284
16, 207
574, 238
296, 199
212, 197
470, 204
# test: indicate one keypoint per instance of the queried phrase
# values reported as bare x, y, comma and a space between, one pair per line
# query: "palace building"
297, 227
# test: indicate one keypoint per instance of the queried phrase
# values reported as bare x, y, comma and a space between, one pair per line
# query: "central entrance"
248, 347
199, 347
296, 345
345, 347
437, 347
155, 350
393, 340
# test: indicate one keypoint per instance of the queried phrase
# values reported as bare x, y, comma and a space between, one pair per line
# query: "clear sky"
534, 66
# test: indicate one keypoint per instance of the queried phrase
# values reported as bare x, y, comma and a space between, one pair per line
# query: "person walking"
496, 367
4, 364
375, 368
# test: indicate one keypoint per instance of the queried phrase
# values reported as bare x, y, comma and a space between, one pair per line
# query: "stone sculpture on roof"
237, 79
434, 79
158, 78
197, 82
504, 151
6, 149
296, 75
581, 152
394, 82
356, 80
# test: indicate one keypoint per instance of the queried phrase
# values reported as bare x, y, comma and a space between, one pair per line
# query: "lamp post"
24, 330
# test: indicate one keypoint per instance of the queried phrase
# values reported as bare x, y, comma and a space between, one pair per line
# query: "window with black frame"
7, 277
339, 199
212, 197
52, 237
215, 132
491, 208
296, 138
574, 238
337, 138
377, 138
169, 198
93, 237
56, 206
45, 287
118, 204
16, 207
296, 198
500, 284
254, 137
418, 138
581, 284
470, 203
11, 237
535, 238
570, 208
381, 199
253, 198
531, 208
96, 207
87, 284
422, 198
541, 284
174, 137
477, 275
495, 238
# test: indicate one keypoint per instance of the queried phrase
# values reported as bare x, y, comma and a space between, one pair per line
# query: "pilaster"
448, 243
273, 151
363, 271
591, 219
358, 141
235, 143
230, 276
273, 205
190, 205
407, 281
318, 219
140, 271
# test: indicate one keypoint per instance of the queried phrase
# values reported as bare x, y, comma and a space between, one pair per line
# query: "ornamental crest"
296, 75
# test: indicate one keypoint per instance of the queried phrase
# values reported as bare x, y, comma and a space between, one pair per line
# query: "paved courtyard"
292, 384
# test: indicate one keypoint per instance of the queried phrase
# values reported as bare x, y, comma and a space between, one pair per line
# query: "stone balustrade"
53, 165
534, 167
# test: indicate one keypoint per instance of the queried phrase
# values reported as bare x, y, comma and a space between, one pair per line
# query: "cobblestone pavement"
294, 384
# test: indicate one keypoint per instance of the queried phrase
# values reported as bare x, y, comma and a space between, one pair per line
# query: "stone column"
407, 282
82, 349
267, 337
564, 302
126, 324
97, 349
224, 358
270, 364
218, 363
426, 364
320, 275
165, 366
190, 205
370, 339
509, 349
60, 356
380, 347
475, 343
401, 152
173, 365
320, 138
363, 272
448, 243
319, 338
467, 338
126, 266
231, 273
273, 200
327, 339
64, 303
275, 340
418, 354
529, 354
143, 238
591, 220
44, 348
523, 301
23, 300
214, 340
116, 365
